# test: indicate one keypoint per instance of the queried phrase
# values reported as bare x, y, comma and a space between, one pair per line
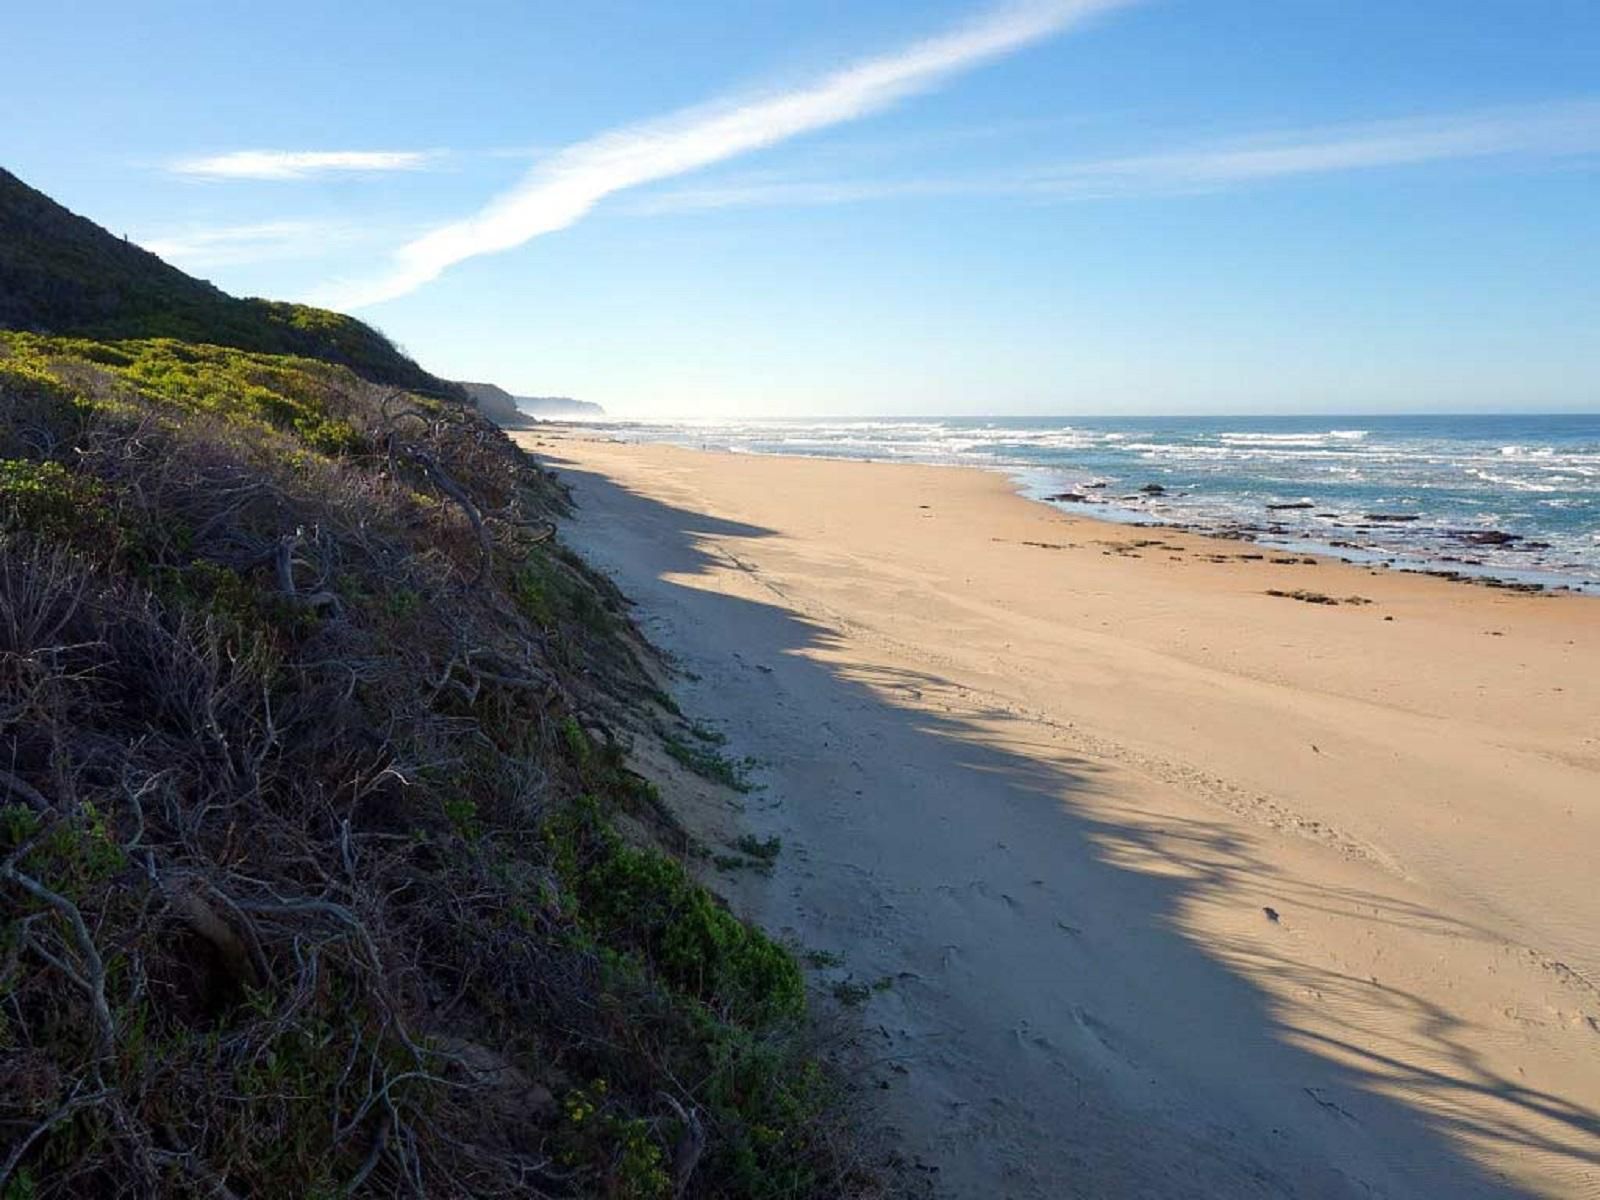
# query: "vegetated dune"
324, 870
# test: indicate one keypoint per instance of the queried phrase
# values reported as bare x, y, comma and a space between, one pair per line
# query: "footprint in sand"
1098, 1041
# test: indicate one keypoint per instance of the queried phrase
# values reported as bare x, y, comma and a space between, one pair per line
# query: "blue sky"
777, 207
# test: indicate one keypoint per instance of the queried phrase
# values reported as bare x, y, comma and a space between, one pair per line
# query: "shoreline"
1277, 536
1449, 559
1155, 879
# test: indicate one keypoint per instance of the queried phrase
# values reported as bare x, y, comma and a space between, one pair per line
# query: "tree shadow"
1341, 1112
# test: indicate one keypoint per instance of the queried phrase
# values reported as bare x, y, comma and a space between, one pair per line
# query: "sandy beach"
1163, 885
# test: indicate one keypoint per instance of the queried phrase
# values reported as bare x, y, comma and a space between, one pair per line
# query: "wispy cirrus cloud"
814, 192
1551, 131
300, 164
563, 190
1548, 129
241, 245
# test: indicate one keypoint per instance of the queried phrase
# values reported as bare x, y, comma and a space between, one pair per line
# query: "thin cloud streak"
1561, 129
300, 164
241, 245
1550, 131
561, 192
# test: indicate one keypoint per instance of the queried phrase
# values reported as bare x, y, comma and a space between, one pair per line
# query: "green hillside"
60, 273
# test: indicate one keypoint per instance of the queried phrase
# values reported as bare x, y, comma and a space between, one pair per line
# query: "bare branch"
198, 1171
20, 787
442, 480
73, 1104
691, 1145
374, 1156
93, 980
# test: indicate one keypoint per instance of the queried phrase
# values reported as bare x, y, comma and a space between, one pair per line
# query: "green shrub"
710, 763
45, 499
25, 377
632, 1163
645, 900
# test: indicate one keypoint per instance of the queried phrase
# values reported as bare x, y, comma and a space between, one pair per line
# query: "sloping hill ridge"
324, 866
61, 273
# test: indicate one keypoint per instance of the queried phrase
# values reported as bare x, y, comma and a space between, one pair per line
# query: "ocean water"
1507, 497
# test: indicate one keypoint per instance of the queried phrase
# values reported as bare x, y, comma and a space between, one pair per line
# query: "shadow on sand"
1335, 1126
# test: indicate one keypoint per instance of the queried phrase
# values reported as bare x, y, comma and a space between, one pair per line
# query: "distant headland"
500, 405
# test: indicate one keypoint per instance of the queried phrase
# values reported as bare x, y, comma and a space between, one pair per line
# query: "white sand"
1047, 793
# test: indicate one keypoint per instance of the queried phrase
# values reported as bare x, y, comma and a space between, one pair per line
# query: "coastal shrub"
636, 1164
763, 849
315, 882
710, 763
785, 1111
312, 880
295, 396
22, 377
536, 593
645, 900
549, 592
45, 499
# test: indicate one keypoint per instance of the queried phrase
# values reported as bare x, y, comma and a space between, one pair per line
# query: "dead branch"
391, 418
691, 1144
374, 1156
72, 1105
324, 907
442, 480
197, 1170
285, 563
25, 791
285, 560
93, 980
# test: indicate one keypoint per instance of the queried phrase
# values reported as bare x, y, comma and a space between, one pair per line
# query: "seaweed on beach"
1310, 597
